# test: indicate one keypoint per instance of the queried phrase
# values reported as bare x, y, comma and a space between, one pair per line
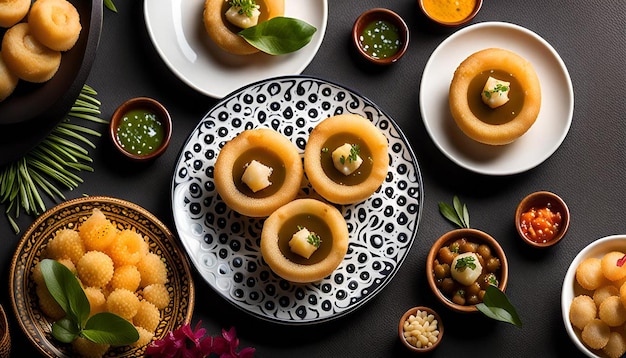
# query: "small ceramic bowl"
537, 201
571, 288
413, 312
136, 148
5, 335
389, 17
438, 11
472, 235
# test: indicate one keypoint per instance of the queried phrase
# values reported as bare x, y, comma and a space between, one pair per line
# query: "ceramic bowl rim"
541, 198
470, 17
456, 234
386, 14
138, 102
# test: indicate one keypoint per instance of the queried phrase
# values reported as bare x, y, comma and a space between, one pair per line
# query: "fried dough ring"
28, 58
8, 80
12, 11
55, 23
225, 35
494, 59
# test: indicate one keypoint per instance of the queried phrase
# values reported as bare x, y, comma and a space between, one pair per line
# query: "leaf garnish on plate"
104, 327
458, 213
496, 305
279, 35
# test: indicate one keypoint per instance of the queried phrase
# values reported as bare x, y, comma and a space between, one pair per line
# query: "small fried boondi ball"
610, 269
37, 275
148, 316
97, 301
589, 274
157, 294
616, 347
127, 277
123, 303
95, 269
69, 264
127, 248
48, 304
89, 349
582, 311
596, 333
152, 269
604, 292
612, 312
97, 232
145, 337
66, 244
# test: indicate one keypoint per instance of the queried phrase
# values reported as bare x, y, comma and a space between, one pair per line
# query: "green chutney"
380, 39
140, 132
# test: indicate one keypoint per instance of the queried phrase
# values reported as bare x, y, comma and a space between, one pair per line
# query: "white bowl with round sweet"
572, 289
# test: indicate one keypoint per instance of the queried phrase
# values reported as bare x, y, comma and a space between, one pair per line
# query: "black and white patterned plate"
224, 246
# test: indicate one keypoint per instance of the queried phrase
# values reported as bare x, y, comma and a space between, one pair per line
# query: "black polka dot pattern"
224, 246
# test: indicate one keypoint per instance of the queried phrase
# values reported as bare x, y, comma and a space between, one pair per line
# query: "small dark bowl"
405, 317
387, 15
147, 104
467, 19
476, 236
541, 199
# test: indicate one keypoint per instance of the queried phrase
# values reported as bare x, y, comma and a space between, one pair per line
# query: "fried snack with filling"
55, 23
28, 58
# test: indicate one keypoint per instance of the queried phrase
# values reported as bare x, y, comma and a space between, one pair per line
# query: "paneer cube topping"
304, 242
346, 158
466, 268
243, 13
495, 93
257, 176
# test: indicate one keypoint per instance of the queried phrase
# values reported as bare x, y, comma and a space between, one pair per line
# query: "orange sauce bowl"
539, 211
450, 13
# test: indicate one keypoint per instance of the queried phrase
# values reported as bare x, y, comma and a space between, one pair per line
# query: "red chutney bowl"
390, 21
542, 219
140, 129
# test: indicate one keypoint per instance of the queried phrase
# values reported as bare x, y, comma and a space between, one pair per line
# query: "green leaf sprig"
245, 6
52, 164
496, 305
104, 327
458, 213
279, 35
465, 262
110, 5
499, 89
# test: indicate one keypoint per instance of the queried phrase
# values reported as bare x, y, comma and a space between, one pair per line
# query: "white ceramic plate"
224, 246
572, 289
178, 34
543, 138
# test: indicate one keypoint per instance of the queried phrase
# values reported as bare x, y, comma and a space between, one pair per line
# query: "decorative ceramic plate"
571, 288
34, 109
70, 215
178, 34
224, 246
546, 134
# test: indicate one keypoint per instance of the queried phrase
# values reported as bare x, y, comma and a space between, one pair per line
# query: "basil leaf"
66, 290
279, 35
448, 212
497, 306
65, 330
109, 328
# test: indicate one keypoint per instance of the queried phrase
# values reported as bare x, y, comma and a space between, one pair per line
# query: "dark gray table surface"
587, 171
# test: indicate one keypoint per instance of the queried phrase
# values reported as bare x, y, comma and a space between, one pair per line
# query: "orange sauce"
449, 11
541, 224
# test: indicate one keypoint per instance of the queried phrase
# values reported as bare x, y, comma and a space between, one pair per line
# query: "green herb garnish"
499, 88
279, 35
325, 150
457, 213
354, 154
465, 262
104, 327
313, 238
110, 5
246, 7
497, 306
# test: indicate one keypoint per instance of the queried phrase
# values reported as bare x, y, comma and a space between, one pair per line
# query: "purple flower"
187, 343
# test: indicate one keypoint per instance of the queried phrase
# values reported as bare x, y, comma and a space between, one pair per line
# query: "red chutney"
541, 224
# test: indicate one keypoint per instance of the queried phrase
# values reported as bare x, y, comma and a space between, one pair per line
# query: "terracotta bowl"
5, 335
542, 199
405, 317
474, 236
431, 15
148, 104
389, 16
